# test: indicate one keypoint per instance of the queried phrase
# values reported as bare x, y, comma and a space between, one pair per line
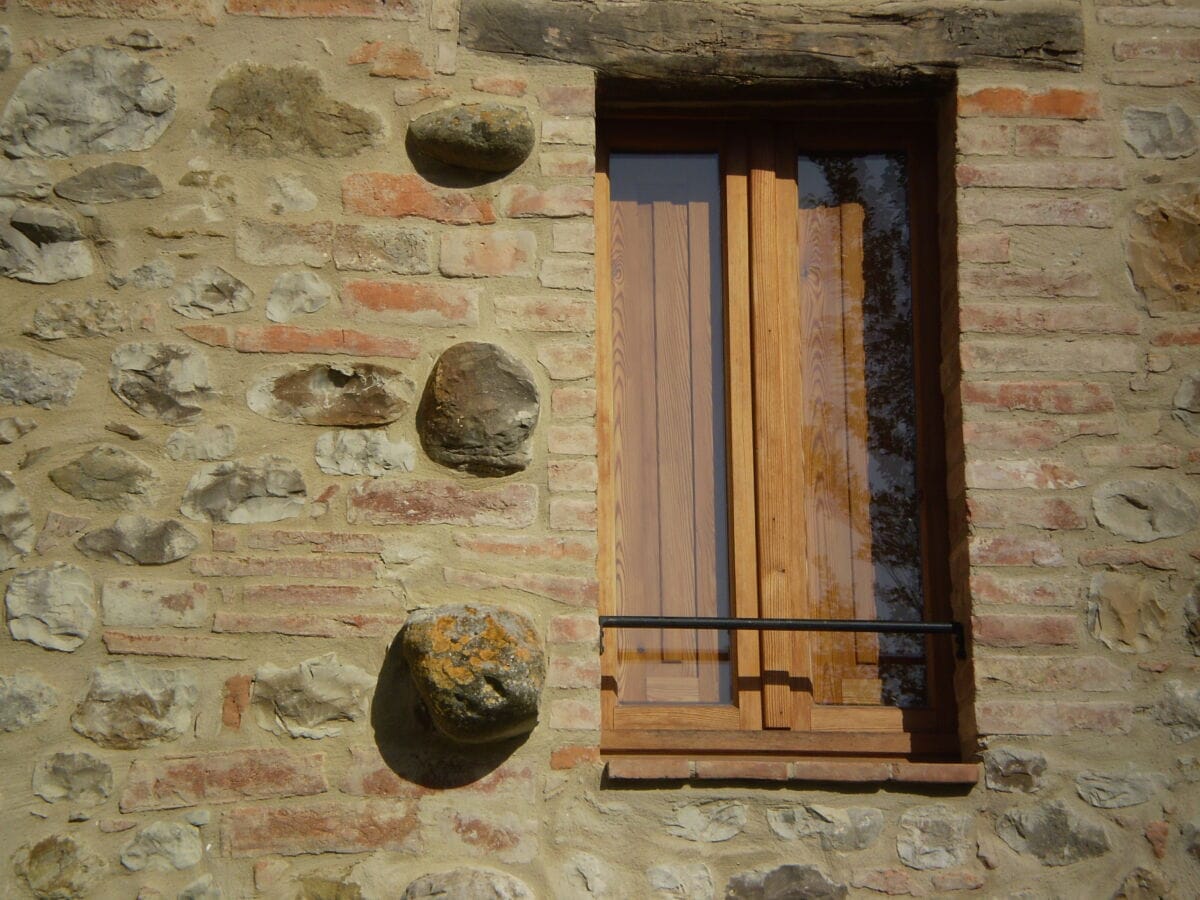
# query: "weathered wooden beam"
863, 40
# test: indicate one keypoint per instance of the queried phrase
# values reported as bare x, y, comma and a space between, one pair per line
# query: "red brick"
1184, 336
224, 540
570, 514
819, 770
391, 60
1161, 49
573, 402
293, 566
570, 672
1048, 674
1007, 209
269, 875
330, 624
571, 629
1024, 590
1140, 456
410, 94
253, 831
1053, 174
493, 836
571, 440
1000, 474
1009, 550
323, 9
1051, 513
991, 281
128, 643
1024, 631
1052, 355
1157, 833
569, 589
1064, 139
481, 254
567, 163
402, 196
235, 700
648, 768
395, 502
203, 11
545, 314
574, 715
1151, 557
260, 774
320, 541
573, 756
1040, 434
293, 339
1147, 16
984, 138
504, 85
520, 201
984, 248
935, 772
1050, 103
573, 237
1032, 318
891, 881
742, 769
572, 475
527, 547
568, 131
1052, 717
571, 273
568, 100
1066, 397
368, 775
958, 880
410, 303
568, 361
285, 595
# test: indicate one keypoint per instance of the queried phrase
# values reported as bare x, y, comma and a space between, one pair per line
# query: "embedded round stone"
478, 410
486, 137
478, 668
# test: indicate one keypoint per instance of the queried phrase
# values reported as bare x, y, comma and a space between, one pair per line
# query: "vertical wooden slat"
606, 487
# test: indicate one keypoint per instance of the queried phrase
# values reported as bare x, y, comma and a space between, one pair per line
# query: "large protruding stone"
51, 606
110, 183
59, 868
266, 491
352, 395
79, 777
162, 381
210, 292
25, 700
282, 111
106, 474
17, 532
1124, 612
140, 541
1164, 250
309, 699
478, 668
90, 100
467, 884
1053, 833
87, 317
485, 137
478, 410
783, 883
130, 705
1144, 511
41, 245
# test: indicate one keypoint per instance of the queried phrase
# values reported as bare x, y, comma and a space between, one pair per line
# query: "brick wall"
202, 702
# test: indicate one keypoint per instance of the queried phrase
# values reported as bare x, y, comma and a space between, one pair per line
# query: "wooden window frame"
758, 194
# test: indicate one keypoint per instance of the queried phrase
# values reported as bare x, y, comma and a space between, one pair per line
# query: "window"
772, 439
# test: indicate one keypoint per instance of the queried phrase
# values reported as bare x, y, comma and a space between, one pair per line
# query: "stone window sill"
670, 768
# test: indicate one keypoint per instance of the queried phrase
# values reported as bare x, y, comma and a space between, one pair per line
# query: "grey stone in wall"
1144, 511
398, 249
485, 137
24, 178
90, 100
6, 47
79, 777
203, 888
210, 292
351, 395
140, 541
129, 705
682, 881
268, 490
13, 428
205, 443
59, 867
51, 606
478, 410
1161, 249
934, 837
1013, 769
110, 183
160, 380
1124, 612
1105, 790
279, 111
163, 846
707, 822
359, 452
1187, 402
42, 380
312, 698
799, 881
17, 533
288, 194
468, 884
157, 273
479, 670
297, 293
25, 700
1191, 619
1142, 884
85, 317
1053, 833
852, 828
106, 474
42, 246
1179, 710
1163, 132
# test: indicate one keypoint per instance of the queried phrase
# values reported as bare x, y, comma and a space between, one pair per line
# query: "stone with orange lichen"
479, 669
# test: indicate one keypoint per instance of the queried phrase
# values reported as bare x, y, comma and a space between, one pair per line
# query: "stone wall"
278, 372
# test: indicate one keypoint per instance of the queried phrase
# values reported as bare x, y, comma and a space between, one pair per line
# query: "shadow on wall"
411, 745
